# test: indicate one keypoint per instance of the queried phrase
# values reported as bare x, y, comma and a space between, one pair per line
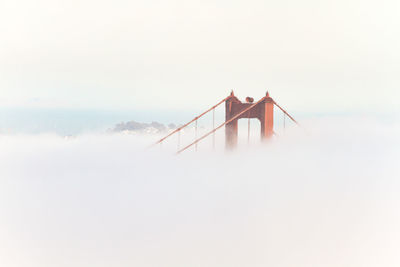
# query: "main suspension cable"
226, 122
284, 111
195, 119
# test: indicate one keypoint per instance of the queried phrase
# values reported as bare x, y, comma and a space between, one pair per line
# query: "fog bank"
325, 194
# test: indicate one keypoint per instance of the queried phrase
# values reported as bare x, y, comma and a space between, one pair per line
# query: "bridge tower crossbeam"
263, 111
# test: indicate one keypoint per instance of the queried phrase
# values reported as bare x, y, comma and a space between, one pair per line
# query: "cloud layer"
327, 196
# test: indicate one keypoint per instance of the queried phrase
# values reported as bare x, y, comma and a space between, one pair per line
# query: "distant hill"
134, 126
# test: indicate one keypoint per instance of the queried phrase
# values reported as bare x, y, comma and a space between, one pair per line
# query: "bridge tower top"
263, 110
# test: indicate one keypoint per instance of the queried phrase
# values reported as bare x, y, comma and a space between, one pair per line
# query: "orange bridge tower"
262, 110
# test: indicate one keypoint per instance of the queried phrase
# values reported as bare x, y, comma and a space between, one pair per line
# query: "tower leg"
231, 135
267, 120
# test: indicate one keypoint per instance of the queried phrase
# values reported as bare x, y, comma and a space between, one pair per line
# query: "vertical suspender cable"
186, 124
195, 134
213, 128
248, 131
284, 121
287, 114
179, 139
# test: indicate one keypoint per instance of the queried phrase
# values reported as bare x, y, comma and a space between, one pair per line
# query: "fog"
325, 194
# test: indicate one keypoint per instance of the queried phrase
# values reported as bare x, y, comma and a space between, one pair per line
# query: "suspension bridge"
263, 110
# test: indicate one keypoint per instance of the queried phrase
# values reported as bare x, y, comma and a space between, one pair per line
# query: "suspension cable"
284, 111
196, 118
226, 122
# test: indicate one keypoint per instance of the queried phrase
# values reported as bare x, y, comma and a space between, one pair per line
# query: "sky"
313, 56
323, 194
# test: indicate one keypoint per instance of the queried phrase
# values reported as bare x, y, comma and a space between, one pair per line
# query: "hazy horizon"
72, 121
324, 193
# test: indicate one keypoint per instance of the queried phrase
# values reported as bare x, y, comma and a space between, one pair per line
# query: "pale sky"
312, 55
